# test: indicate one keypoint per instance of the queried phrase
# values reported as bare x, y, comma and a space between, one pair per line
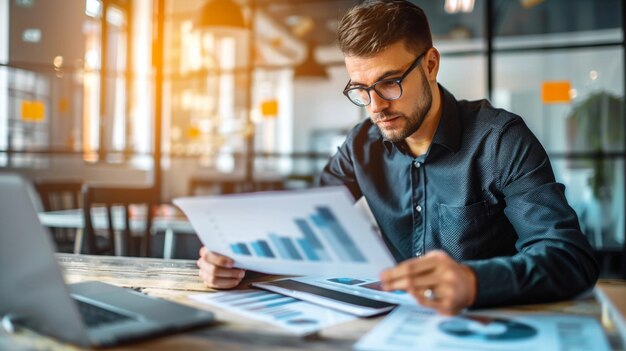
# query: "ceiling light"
310, 68
220, 13
456, 6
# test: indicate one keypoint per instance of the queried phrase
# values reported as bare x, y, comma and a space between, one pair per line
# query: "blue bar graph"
285, 246
294, 315
307, 246
334, 242
281, 303
240, 248
262, 249
288, 315
268, 303
238, 296
282, 250
308, 250
312, 239
340, 234
291, 248
256, 301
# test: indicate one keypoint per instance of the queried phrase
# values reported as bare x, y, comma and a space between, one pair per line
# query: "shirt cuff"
495, 282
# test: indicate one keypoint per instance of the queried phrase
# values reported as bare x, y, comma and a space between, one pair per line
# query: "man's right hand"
217, 271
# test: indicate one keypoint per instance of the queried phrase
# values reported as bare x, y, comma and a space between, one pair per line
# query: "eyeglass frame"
398, 81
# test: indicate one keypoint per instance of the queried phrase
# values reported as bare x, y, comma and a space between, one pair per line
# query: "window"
560, 65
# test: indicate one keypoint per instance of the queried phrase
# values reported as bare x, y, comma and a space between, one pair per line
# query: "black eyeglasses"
388, 89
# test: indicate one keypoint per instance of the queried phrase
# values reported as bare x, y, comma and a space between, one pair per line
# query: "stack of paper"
296, 316
409, 328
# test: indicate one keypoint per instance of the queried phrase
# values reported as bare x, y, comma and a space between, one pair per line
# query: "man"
464, 193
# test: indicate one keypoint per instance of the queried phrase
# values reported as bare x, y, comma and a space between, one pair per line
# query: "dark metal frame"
490, 16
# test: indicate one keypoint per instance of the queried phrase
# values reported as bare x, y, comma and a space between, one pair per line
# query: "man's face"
397, 119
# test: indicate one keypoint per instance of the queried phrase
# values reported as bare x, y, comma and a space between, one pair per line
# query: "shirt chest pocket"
464, 230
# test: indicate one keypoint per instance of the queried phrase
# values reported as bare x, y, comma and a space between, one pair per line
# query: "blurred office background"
222, 96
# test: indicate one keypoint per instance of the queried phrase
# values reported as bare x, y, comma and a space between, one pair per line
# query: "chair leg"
147, 244
168, 243
118, 243
78, 241
129, 244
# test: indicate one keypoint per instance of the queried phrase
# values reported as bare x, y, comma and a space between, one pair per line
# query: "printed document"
410, 328
297, 317
363, 296
308, 232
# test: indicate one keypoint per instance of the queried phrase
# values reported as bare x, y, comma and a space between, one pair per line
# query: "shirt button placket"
419, 171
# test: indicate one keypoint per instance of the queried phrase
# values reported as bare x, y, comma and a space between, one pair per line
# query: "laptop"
33, 293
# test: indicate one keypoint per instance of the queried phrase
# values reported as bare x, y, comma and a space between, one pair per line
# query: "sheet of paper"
296, 316
361, 286
408, 328
308, 232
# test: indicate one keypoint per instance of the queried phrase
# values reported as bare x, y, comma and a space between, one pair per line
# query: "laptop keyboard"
94, 316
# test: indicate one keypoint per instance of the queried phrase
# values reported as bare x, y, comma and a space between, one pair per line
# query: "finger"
226, 272
444, 301
203, 251
431, 261
420, 296
218, 259
219, 283
427, 279
452, 301
449, 312
219, 271
405, 283
412, 268
414, 281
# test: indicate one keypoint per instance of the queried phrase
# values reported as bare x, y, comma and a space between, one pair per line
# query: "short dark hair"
370, 27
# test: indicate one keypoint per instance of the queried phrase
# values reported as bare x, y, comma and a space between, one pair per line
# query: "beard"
413, 121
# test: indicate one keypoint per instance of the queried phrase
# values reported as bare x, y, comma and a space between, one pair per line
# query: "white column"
4, 78
140, 114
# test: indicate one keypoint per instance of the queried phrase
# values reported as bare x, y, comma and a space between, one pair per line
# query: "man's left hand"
435, 280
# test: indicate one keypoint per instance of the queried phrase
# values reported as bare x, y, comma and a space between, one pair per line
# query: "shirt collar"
448, 132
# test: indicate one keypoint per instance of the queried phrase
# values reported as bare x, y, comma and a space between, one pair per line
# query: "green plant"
597, 125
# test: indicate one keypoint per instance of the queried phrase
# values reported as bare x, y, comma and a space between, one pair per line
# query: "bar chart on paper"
296, 316
308, 246
304, 232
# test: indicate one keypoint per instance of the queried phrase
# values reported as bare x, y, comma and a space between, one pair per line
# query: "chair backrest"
265, 185
59, 194
114, 200
222, 185
219, 185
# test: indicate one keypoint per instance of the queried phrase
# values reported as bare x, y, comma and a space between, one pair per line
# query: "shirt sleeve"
340, 170
554, 260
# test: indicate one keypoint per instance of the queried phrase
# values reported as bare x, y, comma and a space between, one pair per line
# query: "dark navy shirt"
484, 192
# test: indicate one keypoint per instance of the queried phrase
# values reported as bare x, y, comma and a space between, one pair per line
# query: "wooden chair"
270, 184
215, 185
59, 195
121, 198
222, 185
56, 195
300, 181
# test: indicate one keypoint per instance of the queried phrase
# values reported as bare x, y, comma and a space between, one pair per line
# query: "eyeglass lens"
386, 89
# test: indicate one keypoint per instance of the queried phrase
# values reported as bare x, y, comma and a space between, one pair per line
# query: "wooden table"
176, 279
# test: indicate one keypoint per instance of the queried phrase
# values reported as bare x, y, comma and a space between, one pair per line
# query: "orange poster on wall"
33, 111
556, 92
